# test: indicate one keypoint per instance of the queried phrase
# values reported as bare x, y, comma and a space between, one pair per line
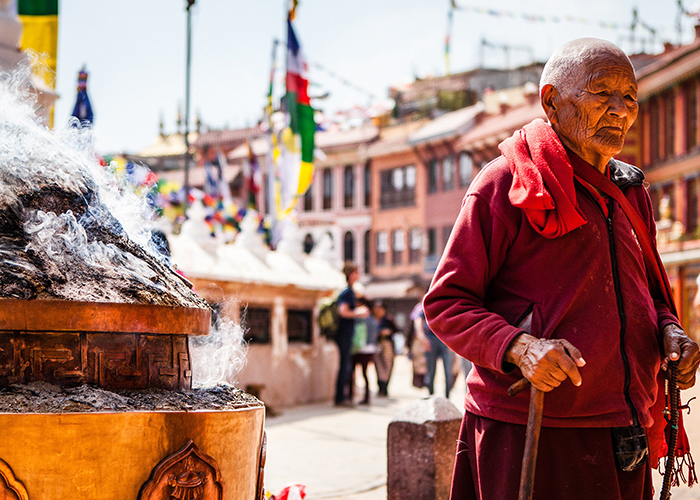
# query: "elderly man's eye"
631, 98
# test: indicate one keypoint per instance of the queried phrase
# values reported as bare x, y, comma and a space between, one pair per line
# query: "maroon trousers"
572, 464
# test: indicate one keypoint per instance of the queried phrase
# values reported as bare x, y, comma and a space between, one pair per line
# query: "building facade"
336, 208
668, 150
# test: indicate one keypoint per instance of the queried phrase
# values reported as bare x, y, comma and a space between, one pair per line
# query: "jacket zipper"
621, 313
620, 308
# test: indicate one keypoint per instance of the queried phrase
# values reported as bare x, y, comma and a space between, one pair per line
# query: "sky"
135, 52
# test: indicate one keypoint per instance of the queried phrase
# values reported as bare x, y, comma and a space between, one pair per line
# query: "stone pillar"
421, 446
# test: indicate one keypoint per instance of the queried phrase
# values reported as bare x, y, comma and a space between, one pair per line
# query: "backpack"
328, 317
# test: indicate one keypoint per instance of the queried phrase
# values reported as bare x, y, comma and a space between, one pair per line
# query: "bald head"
572, 58
589, 93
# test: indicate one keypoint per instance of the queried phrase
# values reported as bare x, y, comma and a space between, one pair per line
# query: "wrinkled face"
593, 116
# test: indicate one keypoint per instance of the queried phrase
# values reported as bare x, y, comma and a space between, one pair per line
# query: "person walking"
384, 358
364, 348
348, 311
435, 349
418, 345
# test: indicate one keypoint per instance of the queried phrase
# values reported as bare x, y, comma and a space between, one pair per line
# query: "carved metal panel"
108, 360
188, 474
11, 488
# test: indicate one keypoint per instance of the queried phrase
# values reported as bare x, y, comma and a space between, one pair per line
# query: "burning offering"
96, 374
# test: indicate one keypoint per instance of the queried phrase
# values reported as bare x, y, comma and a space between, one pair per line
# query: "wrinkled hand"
546, 363
679, 347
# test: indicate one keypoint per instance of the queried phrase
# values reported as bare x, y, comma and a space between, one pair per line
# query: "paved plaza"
341, 453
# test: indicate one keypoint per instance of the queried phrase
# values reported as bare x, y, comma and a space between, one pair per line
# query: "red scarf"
543, 187
543, 180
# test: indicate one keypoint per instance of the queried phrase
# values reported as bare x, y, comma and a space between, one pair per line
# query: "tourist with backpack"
348, 311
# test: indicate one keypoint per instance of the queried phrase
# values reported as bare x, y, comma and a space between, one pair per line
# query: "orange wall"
396, 218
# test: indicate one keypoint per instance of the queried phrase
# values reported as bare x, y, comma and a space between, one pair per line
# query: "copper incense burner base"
207, 454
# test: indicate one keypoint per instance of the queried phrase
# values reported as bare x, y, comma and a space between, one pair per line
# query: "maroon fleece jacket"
588, 286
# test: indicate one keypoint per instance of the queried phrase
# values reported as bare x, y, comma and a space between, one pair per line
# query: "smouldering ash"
67, 230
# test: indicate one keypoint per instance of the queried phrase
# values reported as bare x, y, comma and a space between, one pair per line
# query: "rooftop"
167, 145
227, 136
447, 126
495, 128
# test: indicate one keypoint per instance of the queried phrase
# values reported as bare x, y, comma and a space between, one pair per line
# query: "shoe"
364, 401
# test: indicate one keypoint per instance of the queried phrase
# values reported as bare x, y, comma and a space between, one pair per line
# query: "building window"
309, 199
654, 129
398, 187
299, 326
308, 243
667, 202
691, 115
367, 250
466, 166
448, 173
669, 124
256, 323
410, 177
414, 243
397, 179
398, 243
691, 223
433, 176
327, 189
368, 185
348, 247
382, 248
349, 186
446, 235
655, 195
432, 242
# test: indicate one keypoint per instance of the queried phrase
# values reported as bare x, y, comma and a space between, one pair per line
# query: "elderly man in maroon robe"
544, 278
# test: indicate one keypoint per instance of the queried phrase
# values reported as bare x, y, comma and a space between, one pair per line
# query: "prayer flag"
224, 187
292, 10
253, 179
83, 109
296, 159
40, 19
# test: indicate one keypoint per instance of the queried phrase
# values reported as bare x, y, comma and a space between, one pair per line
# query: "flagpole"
273, 181
269, 192
450, 13
190, 3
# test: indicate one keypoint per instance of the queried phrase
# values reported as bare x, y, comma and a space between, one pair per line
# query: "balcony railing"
394, 199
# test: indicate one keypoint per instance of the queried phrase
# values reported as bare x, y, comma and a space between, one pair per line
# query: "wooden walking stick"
532, 437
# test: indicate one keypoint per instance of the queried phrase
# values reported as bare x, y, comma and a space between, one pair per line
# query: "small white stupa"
249, 237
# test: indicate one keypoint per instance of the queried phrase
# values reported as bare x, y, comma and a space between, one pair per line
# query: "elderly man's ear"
549, 98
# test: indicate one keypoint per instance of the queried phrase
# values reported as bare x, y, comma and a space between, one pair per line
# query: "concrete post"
421, 446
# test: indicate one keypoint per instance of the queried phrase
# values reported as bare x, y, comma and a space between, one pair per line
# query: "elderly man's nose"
617, 105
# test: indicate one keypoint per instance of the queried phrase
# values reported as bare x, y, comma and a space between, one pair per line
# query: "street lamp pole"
190, 4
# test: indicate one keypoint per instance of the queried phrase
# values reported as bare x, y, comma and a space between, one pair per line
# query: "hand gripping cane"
532, 437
